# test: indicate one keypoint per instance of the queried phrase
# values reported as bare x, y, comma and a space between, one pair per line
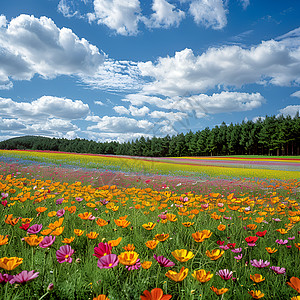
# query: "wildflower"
136, 266
278, 270
68, 240
251, 226
256, 294
60, 212
281, 242
115, 243
202, 275
122, 223
24, 276
10, 263
5, 278
101, 297
33, 240
282, 230
200, 236
102, 250
129, 247
163, 261
291, 238
239, 257
92, 235
187, 224
161, 237
260, 263
251, 240
237, 250
128, 258
108, 261
177, 276
35, 228
25, 226
152, 244
295, 298
156, 294
182, 255
257, 278
218, 292
271, 250
3, 240
214, 254
78, 232
171, 217
85, 216
225, 274
41, 209
146, 265
294, 283
149, 226
221, 227
58, 231
47, 241
297, 245
261, 233
64, 253
224, 247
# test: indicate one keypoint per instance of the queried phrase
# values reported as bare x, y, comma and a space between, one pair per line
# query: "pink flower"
108, 261
34, 229
225, 274
47, 241
24, 276
5, 278
239, 257
291, 238
278, 270
224, 247
136, 266
260, 263
103, 249
237, 250
63, 254
281, 242
163, 261
60, 212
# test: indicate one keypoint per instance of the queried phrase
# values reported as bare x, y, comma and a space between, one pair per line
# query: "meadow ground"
87, 226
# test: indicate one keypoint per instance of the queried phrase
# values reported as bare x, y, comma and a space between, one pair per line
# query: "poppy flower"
85, 216
25, 226
294, 283
251, 240
115, 243
161, 237
221, 227
122, 223
100, 222
218, 292
152, 244
101, 297
177, 276
108, 261
33, 240
92, 235
10, 263
58, 231
171, 217
64, 253
78, 232
68, 240
202, 276
271, 250
200, 236
155, 294
163, 261
146, 265
256, 294
149, 226
182, 255
129, 247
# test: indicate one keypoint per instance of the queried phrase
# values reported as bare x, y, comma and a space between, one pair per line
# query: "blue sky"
119, 69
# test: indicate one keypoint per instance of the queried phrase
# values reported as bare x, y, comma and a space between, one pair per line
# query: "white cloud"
11, 124
138, 112
115, 136
99, 103
53, 125
66, 9
170, 116
289, 110
121, 110
296, 94
165, 15
210, 13
31, 45
119, 15
255, 119
245, 3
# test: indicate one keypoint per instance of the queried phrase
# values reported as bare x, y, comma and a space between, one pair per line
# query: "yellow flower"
128, 258
149, 226
10, 263
252, 226
101, 222
221, 227
101, 297
116, 242
46, 231
257, 278
85, 216
188, 224
256, 294
270, 250
58, 231
33, 240
161, 237
52, 214
200, 236
68, 240
214, 254
202, 276
282, 230
297, 245
171, 217
146, 264
78, 232
177, 276
122, 223
182, 255
92, 235
3, 240
295, 298
218, 292
129, 247
152, 244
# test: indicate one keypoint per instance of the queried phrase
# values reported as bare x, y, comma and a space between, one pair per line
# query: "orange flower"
92, 235
294, 283
282, 230
56, 224
177, 276
101, 297
26, 220
161, 237
200, 236
78, 232
41, 209
221, 227
214, 254
68, 240
146, 265
72, 209
10, 263
202, 275
33, 240
152, 244
188, 224
129, 247
297, 245
218, 292
270, 250
252, 226
52, 214
85, 215
122, 223
256, 294
101, 222
115, 243
128, 258
215, 216
257, 278
92, 205
156, 294
46, 231
182, 255
3, 240
9, 220
58, 231
171, 217
149, 226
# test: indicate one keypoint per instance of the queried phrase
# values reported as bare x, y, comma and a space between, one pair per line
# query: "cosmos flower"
136, 266
102, 249
108, 261
281, 242
64, 253
177, 276
237, 250
259, 263
47, 241
202, 276
278, 270
163, 261
225, 274
294, 283
34, 228
24, 276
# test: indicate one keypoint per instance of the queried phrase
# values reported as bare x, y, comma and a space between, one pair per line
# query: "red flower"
261, 233
231, 245
220, 243
251, 239
25, 226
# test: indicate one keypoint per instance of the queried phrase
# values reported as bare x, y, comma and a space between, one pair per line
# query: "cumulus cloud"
65, 8
165, 15
11, 124
121, 110
31, 45
290, 110
119, 15
296, 94
115, 136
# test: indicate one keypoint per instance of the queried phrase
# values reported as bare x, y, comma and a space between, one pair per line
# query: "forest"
267, 136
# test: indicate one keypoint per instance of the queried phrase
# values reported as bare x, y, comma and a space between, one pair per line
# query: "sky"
116, 70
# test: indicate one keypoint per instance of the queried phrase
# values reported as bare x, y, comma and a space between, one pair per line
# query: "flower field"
100, 227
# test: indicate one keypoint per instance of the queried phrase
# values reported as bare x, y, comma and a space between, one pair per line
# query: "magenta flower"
136, 266
225, 274
224, 247
260, 263
291, 238
276, 220
34, 229
63, 254
108, 261
281, 242
78, 199
227, 218
278, 270
24, 276
163, 261
59, 201
237, 250
5, 278
47, 241
239, 257
60, 212
102, 250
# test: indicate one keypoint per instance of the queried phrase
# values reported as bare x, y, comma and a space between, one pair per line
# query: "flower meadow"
78, 233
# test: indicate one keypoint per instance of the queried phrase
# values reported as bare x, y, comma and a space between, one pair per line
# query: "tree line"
268, 136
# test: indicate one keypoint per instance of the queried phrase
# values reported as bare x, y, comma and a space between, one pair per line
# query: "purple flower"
278, 270
225, 247
47, 241
237, 250
281, 242
24, 276
60, 212
239, 257
60, 201
291, 238
4, 195
63, 254
108, 261
227, 218
136, 266
260, 263
225, 274
34, 229
163, 261
276, 220
5, 278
